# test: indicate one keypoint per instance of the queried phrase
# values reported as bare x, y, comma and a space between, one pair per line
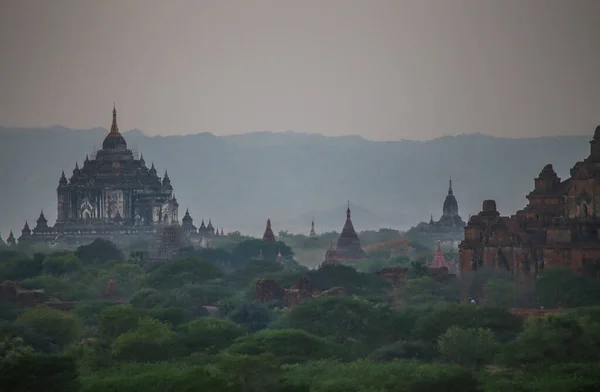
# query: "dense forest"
99, 318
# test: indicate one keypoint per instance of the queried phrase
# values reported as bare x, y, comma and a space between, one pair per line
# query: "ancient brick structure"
199, 235
113, 195
268, 236
268, 290
169, 242
394, 275
348, 248
559, 226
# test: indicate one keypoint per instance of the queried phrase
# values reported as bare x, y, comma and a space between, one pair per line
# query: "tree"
11, 347
415, 349
99, 252
250, 249
151, 340
553, 339
34, 372
250, 372
176, 273
500, 293
433, 322
172, 316
557, 287
61, 329
468, 346
252, 315
119, 319
18, 266
147, 298
418, 269
288, 345
356, 322
126, 276
423, 290
61, 263
209, 334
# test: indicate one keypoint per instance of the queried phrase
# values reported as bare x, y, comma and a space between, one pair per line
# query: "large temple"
560, 226
450, 226
348, 248
112, 195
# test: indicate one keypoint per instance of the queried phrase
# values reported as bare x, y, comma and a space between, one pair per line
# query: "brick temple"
559, 227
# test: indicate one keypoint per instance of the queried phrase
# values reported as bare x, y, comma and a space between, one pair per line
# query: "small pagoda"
268, 236
439, 261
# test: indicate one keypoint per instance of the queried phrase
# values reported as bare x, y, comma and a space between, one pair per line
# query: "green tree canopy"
250, 249
150, 340
289, 345
178, 272
119, 319
209, 334
17, 266
61, 329
473, 347
99, 252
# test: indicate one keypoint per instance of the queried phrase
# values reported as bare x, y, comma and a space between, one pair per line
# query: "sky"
382, 69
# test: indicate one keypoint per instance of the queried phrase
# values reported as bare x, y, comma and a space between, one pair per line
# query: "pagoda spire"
114, 128
312, 233
348, 210
450, 186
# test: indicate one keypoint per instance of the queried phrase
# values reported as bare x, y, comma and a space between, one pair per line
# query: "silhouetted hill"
239, 181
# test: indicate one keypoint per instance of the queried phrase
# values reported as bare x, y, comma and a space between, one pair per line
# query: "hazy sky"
384, 69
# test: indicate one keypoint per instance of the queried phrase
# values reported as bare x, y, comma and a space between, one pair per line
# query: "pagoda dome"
450, 207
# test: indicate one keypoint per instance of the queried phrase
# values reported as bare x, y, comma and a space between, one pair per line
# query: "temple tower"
348, 243
268, 236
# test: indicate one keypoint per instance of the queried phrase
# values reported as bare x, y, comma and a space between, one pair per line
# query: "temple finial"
114, 128
450, 186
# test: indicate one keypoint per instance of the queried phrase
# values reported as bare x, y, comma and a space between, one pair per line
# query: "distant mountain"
239, 181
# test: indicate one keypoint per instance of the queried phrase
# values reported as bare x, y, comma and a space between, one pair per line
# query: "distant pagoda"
348, 248
348, 243
268, 236
313, 233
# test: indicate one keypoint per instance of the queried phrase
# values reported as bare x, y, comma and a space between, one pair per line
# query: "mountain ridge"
240, 180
